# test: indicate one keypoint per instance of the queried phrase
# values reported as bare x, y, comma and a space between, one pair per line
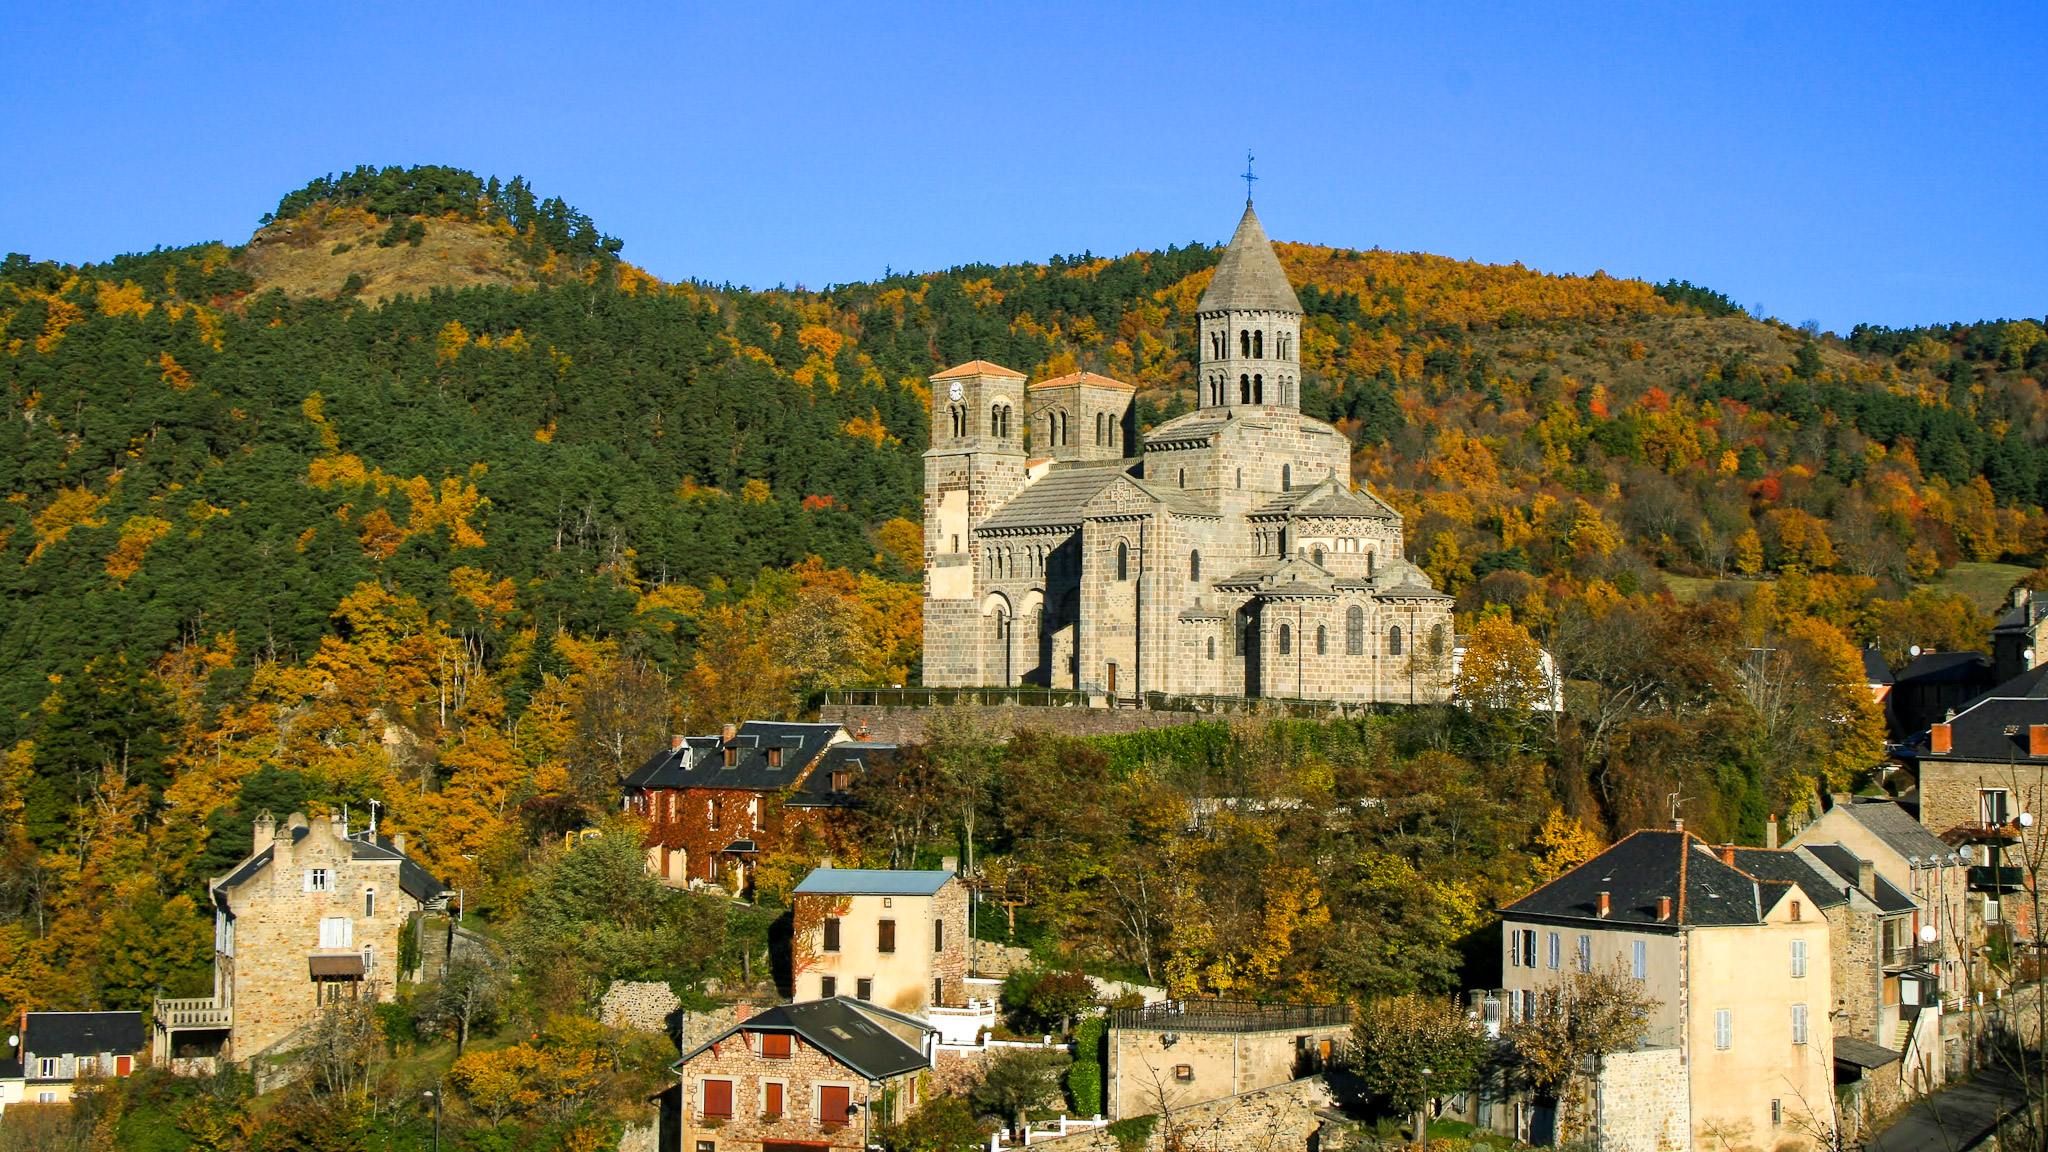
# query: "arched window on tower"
1354, 631
1006, 420
1371, 563
1066, 434
1286, 640
1436, 639
1394, 640
1212, 647
1183, 477
1287, 477
1317, 556
1123, 561
1244, 389
1240, 477
1195, 565
1258, 345
1244, 343
1322, 640
1100, 423
1258, 389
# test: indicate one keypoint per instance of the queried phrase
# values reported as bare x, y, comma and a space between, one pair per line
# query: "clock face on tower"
955, 391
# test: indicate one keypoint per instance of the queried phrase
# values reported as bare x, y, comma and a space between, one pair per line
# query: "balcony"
1992, 878
204, 1012
1912, 955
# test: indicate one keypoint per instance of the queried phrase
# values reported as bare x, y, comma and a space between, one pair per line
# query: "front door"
1112, 683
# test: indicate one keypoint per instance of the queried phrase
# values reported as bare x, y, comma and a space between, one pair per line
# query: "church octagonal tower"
1250, 323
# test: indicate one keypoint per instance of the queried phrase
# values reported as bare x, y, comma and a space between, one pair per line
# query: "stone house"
2016, 646
1735, 965
53, 1051
715, 804
314, 915
1933, 684
893, 938
1230, 554
1982, 771
1176, 1053
810, 1076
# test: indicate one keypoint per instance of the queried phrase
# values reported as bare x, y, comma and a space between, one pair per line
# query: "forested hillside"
425, 495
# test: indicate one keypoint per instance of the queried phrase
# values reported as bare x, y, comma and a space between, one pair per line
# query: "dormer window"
732, 756
775, 757
841, 781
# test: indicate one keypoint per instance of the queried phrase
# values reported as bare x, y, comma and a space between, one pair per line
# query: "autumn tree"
1414, 1049
1580, 1019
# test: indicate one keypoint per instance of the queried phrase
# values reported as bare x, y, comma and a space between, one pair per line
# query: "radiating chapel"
1229, 554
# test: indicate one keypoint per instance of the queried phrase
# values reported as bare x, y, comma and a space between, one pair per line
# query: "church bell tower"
1250, 324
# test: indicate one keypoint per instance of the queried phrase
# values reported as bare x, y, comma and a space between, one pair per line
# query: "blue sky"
1838, 163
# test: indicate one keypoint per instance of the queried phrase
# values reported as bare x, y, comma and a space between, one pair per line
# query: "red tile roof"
1088, 378
978, 368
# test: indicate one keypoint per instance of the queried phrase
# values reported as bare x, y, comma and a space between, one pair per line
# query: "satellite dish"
2026, 819
1927, 934
1914, 650
14, 1041
2028, 655
1966, 853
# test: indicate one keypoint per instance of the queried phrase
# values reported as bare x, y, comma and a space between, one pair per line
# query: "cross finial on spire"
1248, 177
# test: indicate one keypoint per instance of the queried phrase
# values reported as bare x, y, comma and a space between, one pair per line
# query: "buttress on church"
1229, 554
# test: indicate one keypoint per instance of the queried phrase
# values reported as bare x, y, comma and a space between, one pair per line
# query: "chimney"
1663, 907
1771, 832
1728, 855
1606, 906
398, 843
265, 832
1938, 739
1866, 877
949, 863
729, 732
2037, 739
862, 735
675, 743
1678, 825
741, 1011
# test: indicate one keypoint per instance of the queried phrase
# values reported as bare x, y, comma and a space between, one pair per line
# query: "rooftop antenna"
373, 820
1248, 177
1677, 822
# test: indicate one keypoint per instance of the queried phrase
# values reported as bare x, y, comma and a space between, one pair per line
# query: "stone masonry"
800, 1076
1282, 1116
1644, 1101
1228, 555
643, 1005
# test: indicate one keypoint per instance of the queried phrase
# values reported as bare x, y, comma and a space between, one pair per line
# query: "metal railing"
1989, 878
1229, 1016
193, 1012
1910, 955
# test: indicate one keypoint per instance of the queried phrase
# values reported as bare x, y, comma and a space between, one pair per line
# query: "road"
1955, 1118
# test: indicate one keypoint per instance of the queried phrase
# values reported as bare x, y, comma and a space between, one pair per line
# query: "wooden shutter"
887, 942
774, 1099
718, 1098
833, 1103
776, 1045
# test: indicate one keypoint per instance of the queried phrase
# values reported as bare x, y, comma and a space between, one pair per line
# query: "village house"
312, 916
802, 1078
1175, 1053
715, 804
893, 938
1737, 1049
52, 1051
1982, 769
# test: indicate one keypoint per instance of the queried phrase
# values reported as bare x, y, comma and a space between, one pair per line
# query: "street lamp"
1422, 1113
436, 1098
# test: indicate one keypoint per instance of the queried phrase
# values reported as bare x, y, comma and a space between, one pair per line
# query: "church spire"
1249, 277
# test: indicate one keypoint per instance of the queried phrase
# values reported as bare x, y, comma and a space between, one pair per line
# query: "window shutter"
1724, 1028
773, 1102
833, 1103
1799, 1023
1640, 960
1799, 957
831, 933
718, 1098
886, 941
1556, 951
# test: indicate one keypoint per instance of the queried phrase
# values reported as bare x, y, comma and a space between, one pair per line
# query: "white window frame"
336, 933
46, 1097
319, 880
1984, 807
1799, 1024
1585, 953
369, 903
1556, 945
1798, 959
1724, 1029
46, 1067
1639, 959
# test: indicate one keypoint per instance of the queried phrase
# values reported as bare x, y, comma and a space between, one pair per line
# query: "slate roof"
856, 756
1862, 1053
1249, 277
1875, 670
1843, 863
700, 762
978, 368
1900, 832
843, 1029
2022, 618
1944, 667
1057, 499
10, 1068
874, 881
413, 876
1643, 866
1993, 726
82, 1033
1786, 866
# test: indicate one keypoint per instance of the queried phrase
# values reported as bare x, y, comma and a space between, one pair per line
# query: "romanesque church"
1228, 554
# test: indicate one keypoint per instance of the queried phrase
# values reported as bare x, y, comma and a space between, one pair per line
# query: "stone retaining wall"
905, 725
642, 1005
1283, 1116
